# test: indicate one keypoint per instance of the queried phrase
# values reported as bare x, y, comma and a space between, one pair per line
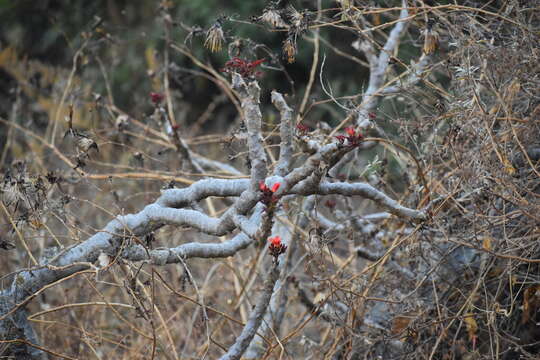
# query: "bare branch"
255, 318
369, 192
249, 94
413, 76
378, 69
201, 190
270, 324
286, 131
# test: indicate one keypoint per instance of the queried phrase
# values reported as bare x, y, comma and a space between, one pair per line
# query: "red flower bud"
302, 128
268, 198
330, 204
353, 138
276, 248
156, 98
243, 67
275, 241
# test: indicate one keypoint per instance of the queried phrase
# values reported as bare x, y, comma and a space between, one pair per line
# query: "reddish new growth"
276, 247
268, 197
156, 98
353, 138
331, 204
246, 69
302, 129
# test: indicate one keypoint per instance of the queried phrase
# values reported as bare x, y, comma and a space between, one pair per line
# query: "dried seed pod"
122, 122
84, 143
273, 18
214, 37
299, 19
431, 39
289, 49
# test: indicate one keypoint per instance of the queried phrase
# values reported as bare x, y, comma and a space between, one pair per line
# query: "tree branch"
378, 69
255, 318
286, 131
249, 94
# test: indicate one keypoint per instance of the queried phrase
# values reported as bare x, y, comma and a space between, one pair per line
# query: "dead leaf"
471, 325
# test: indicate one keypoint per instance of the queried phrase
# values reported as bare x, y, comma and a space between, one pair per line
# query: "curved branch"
201, 190
195, 249
369, 192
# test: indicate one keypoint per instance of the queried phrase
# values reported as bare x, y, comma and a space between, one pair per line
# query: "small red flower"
268, 197
350, 131
276, 247
156, 98
302, 128
353, 138
275, 241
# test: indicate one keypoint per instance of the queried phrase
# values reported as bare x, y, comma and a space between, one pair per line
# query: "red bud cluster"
353, 137
268, 197
331, 204
302, 129
276, 247
246, 69
156, 98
